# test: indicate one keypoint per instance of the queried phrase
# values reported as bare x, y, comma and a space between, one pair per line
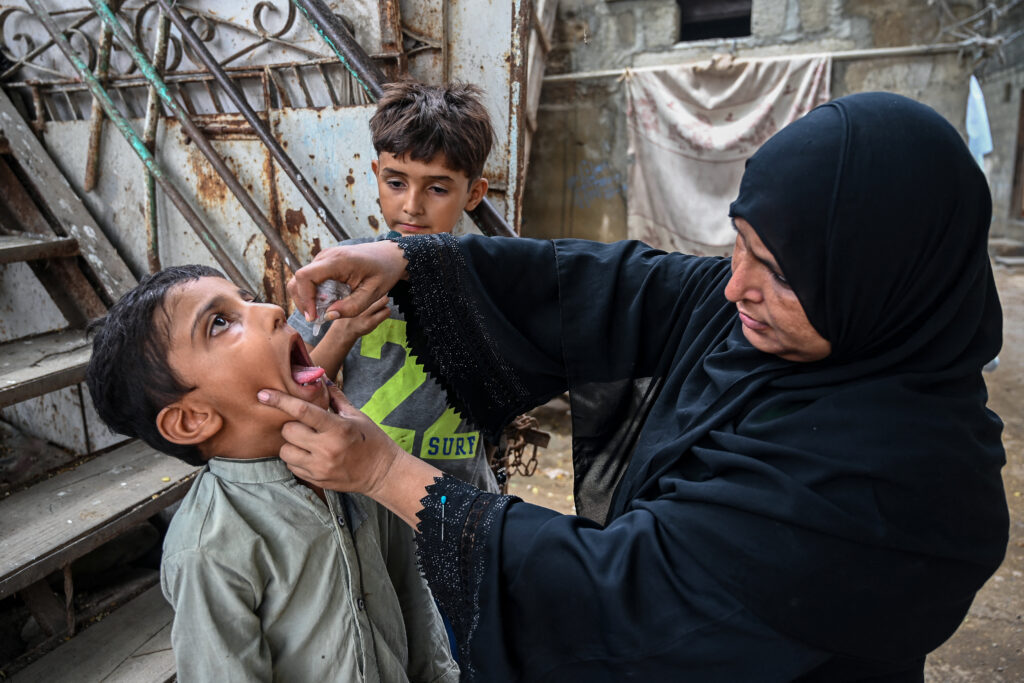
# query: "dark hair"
129, 378
422, 120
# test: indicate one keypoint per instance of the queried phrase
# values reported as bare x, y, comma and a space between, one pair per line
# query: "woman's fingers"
339, 401
370, 269
314, 417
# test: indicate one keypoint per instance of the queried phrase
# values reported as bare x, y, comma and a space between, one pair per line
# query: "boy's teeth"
306, 375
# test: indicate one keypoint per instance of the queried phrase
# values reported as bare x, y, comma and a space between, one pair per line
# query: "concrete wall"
577, 181
1002, 82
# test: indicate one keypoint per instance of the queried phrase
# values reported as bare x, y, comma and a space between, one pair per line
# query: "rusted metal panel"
332, 148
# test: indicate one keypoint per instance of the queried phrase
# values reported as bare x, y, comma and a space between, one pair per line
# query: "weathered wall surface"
1002, 82
576, 186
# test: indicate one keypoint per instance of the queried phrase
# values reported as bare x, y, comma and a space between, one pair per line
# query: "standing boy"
431, 143
270, 578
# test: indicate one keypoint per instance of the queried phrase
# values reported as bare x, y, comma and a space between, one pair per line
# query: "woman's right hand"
344, 450
371, 269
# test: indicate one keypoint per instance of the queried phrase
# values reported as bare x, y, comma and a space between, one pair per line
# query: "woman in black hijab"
785, 457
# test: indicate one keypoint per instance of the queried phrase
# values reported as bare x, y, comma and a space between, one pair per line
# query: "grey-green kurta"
269, 583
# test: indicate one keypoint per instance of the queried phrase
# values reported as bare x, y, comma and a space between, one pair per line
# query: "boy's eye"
395, 184
437, 189
218, 324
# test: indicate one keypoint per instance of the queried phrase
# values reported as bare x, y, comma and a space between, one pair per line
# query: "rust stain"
274, 268
355, 156
372, 220
230, 126
316, 248
210, 189
349, 180
294, 220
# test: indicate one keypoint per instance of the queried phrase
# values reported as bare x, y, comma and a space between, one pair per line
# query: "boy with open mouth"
271, 578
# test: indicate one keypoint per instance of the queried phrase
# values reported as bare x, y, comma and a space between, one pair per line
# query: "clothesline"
844, 55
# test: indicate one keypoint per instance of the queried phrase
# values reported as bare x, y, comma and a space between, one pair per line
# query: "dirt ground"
989, 646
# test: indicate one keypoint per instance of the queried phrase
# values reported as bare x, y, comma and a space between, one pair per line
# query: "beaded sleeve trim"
447, 334
451, 540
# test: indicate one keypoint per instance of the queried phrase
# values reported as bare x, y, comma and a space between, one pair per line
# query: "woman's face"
773, 319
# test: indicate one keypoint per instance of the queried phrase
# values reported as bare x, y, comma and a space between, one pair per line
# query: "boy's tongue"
303, 375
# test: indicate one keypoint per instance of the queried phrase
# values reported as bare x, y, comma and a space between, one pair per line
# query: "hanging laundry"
691, 129
979, 135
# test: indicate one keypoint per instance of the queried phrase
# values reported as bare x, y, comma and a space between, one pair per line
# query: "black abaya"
771, 520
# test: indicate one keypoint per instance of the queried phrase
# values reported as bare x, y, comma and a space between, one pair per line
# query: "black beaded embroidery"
454, 567
447, 335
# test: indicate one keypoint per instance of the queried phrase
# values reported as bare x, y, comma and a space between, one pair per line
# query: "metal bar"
163, 33
213, 97
302, 86
177, 77
92, 158
370, 77
27, 247
208, 239
327, 84
197, 136
39, 121
367, 74
284, 100
42, 48
846, 55
69, 600
446, 66
254, 120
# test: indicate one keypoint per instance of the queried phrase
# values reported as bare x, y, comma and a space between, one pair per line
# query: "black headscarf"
879, 216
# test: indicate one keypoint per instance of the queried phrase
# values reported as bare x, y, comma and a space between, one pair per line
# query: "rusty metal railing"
261, 129
208, 239
197, 136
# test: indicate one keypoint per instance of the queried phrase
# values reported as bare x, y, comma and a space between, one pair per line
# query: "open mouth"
303, 371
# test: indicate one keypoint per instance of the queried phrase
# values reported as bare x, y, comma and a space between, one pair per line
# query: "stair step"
132, 643
35, 366
26, 247
60, 519
1010, 260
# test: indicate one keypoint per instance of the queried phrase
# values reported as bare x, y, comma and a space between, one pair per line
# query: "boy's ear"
477, 191
375, 165
188, 423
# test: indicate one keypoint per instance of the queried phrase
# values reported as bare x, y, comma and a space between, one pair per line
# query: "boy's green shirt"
383, 379
269, 583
